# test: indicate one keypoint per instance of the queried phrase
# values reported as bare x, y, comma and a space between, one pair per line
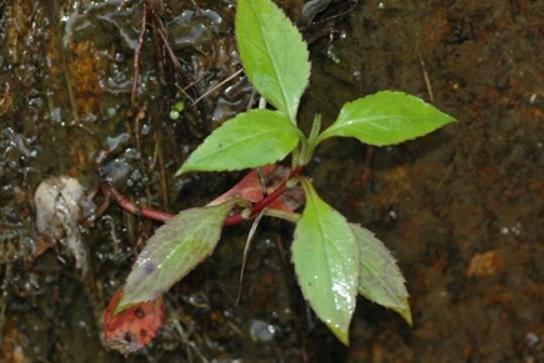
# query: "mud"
462, 209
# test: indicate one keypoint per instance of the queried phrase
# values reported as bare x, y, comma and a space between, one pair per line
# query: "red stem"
160, 216
130, 207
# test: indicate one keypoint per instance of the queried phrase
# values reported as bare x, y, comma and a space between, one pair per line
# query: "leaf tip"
184, 169
341, 333
135, 326
122, 305
405, 312
450, 119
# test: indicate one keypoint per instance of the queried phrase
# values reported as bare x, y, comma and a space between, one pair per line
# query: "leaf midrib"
320, 227
201, 225
385, 287
373, 271
244, 139
268, 55
371, 119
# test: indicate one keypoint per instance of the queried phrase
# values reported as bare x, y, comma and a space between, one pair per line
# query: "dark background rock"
462, 209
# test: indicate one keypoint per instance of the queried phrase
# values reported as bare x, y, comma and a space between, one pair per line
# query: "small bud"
179, 106
174, 115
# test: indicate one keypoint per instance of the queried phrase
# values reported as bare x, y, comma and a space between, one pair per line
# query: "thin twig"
6, 94
217, 86
158, 49
173, 58
427, 79
246, 252
162, 172
137, 54
160, 29
193, 83
69, 87
251, 100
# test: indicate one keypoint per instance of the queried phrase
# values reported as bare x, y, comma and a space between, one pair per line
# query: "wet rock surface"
462, 209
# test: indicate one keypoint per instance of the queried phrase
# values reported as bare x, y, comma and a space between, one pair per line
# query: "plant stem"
161, 216
281, 214
265, 202
130, 207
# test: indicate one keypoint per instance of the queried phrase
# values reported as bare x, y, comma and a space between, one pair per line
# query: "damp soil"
462, 209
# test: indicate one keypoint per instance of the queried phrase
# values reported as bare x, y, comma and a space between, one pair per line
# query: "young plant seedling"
334, 260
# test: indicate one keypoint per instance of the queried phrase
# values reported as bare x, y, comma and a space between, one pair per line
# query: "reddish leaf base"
134, 328
278, 196
249, 188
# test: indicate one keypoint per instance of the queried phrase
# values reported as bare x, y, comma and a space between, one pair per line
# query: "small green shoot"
177, 110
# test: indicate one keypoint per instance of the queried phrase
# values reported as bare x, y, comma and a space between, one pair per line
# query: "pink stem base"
161, 216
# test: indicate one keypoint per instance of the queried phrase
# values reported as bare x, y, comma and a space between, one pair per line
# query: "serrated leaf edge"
329, 132
404, 311
292, 114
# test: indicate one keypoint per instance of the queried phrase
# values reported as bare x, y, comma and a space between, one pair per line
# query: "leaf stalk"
161, 216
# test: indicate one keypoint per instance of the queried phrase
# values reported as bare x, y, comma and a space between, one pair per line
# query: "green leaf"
249, 140
326, 261
273, 53
380, 279
173, 251
386, 118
